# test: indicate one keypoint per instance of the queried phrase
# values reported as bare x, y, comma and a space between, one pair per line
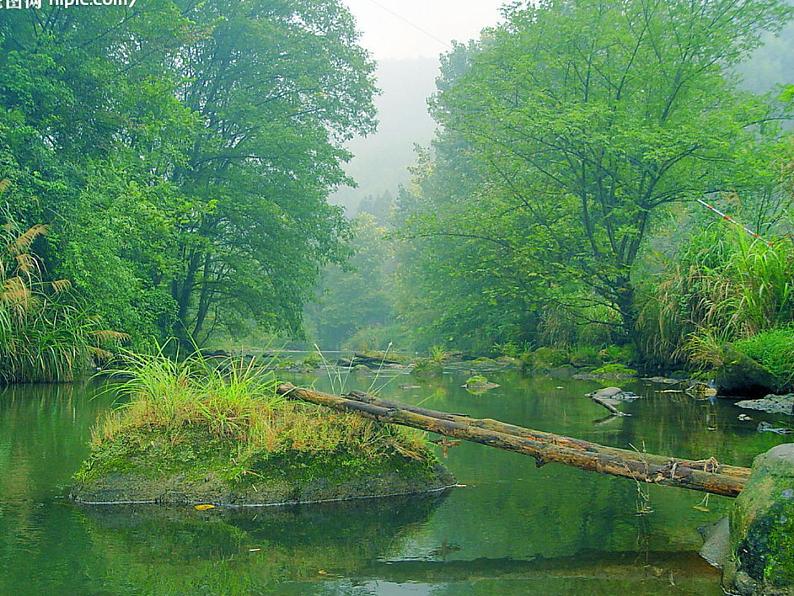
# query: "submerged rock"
716, 543
762, 528
765, 427
774, 404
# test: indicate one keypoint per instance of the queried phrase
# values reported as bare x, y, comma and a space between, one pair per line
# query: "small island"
195, 433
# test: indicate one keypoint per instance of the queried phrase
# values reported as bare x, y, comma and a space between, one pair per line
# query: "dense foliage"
45, 334
181, 154
569, 136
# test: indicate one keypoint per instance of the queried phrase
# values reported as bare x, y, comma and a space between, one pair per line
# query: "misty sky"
387, 34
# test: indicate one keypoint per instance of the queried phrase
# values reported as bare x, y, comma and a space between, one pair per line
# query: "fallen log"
706, 475
709, 465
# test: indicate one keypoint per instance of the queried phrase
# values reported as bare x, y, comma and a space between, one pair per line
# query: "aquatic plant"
438, 354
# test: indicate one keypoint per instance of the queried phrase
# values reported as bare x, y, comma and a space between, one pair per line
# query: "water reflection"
245, 551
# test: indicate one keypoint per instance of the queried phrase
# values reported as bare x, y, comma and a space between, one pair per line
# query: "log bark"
701, 475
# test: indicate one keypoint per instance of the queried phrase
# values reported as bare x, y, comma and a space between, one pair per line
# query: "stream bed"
512, 528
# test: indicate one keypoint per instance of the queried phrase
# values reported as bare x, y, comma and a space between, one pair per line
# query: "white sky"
391, 28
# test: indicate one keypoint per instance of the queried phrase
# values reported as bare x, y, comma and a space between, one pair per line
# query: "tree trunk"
706, 475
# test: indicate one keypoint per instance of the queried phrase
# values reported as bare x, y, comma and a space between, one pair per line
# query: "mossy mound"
742, 375
762, 528
191, 433
156, 466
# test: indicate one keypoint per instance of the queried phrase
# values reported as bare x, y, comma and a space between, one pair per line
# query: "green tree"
183, 153
278, 86
359, 294
586, 119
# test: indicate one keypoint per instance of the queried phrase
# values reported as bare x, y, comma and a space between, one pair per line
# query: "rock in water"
741, 375
613, 393
197, 467
762, 528
774, 404
716, 543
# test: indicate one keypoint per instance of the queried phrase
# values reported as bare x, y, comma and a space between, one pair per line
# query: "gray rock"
774, 404
765, 427
616, 394
741, 375
716, 543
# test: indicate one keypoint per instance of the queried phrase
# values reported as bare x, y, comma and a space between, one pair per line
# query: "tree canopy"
568, 130
183, 153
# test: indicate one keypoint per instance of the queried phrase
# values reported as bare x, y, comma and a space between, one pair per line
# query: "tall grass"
236, 400
724, 286
44, 335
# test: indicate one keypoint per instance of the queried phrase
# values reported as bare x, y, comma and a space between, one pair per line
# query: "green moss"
762, 521
615, 369
194, 466
774, 351
476, 380
779, 568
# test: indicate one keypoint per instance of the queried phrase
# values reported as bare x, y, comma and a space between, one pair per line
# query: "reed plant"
723, 287
45, 336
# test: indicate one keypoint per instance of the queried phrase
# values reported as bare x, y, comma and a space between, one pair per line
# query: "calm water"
513, 528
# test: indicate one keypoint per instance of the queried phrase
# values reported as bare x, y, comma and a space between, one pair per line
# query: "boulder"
761, 560
774, 404
741, 375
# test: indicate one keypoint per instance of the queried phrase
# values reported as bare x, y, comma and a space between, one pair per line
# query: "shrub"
584, 356
615, 369
547, 358
313, 360
624, 354
237, 400
720, 280
511, 349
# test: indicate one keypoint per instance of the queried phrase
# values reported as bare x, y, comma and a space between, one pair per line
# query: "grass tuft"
234, 400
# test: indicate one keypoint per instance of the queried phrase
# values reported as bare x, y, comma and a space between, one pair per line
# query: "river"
512, 528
